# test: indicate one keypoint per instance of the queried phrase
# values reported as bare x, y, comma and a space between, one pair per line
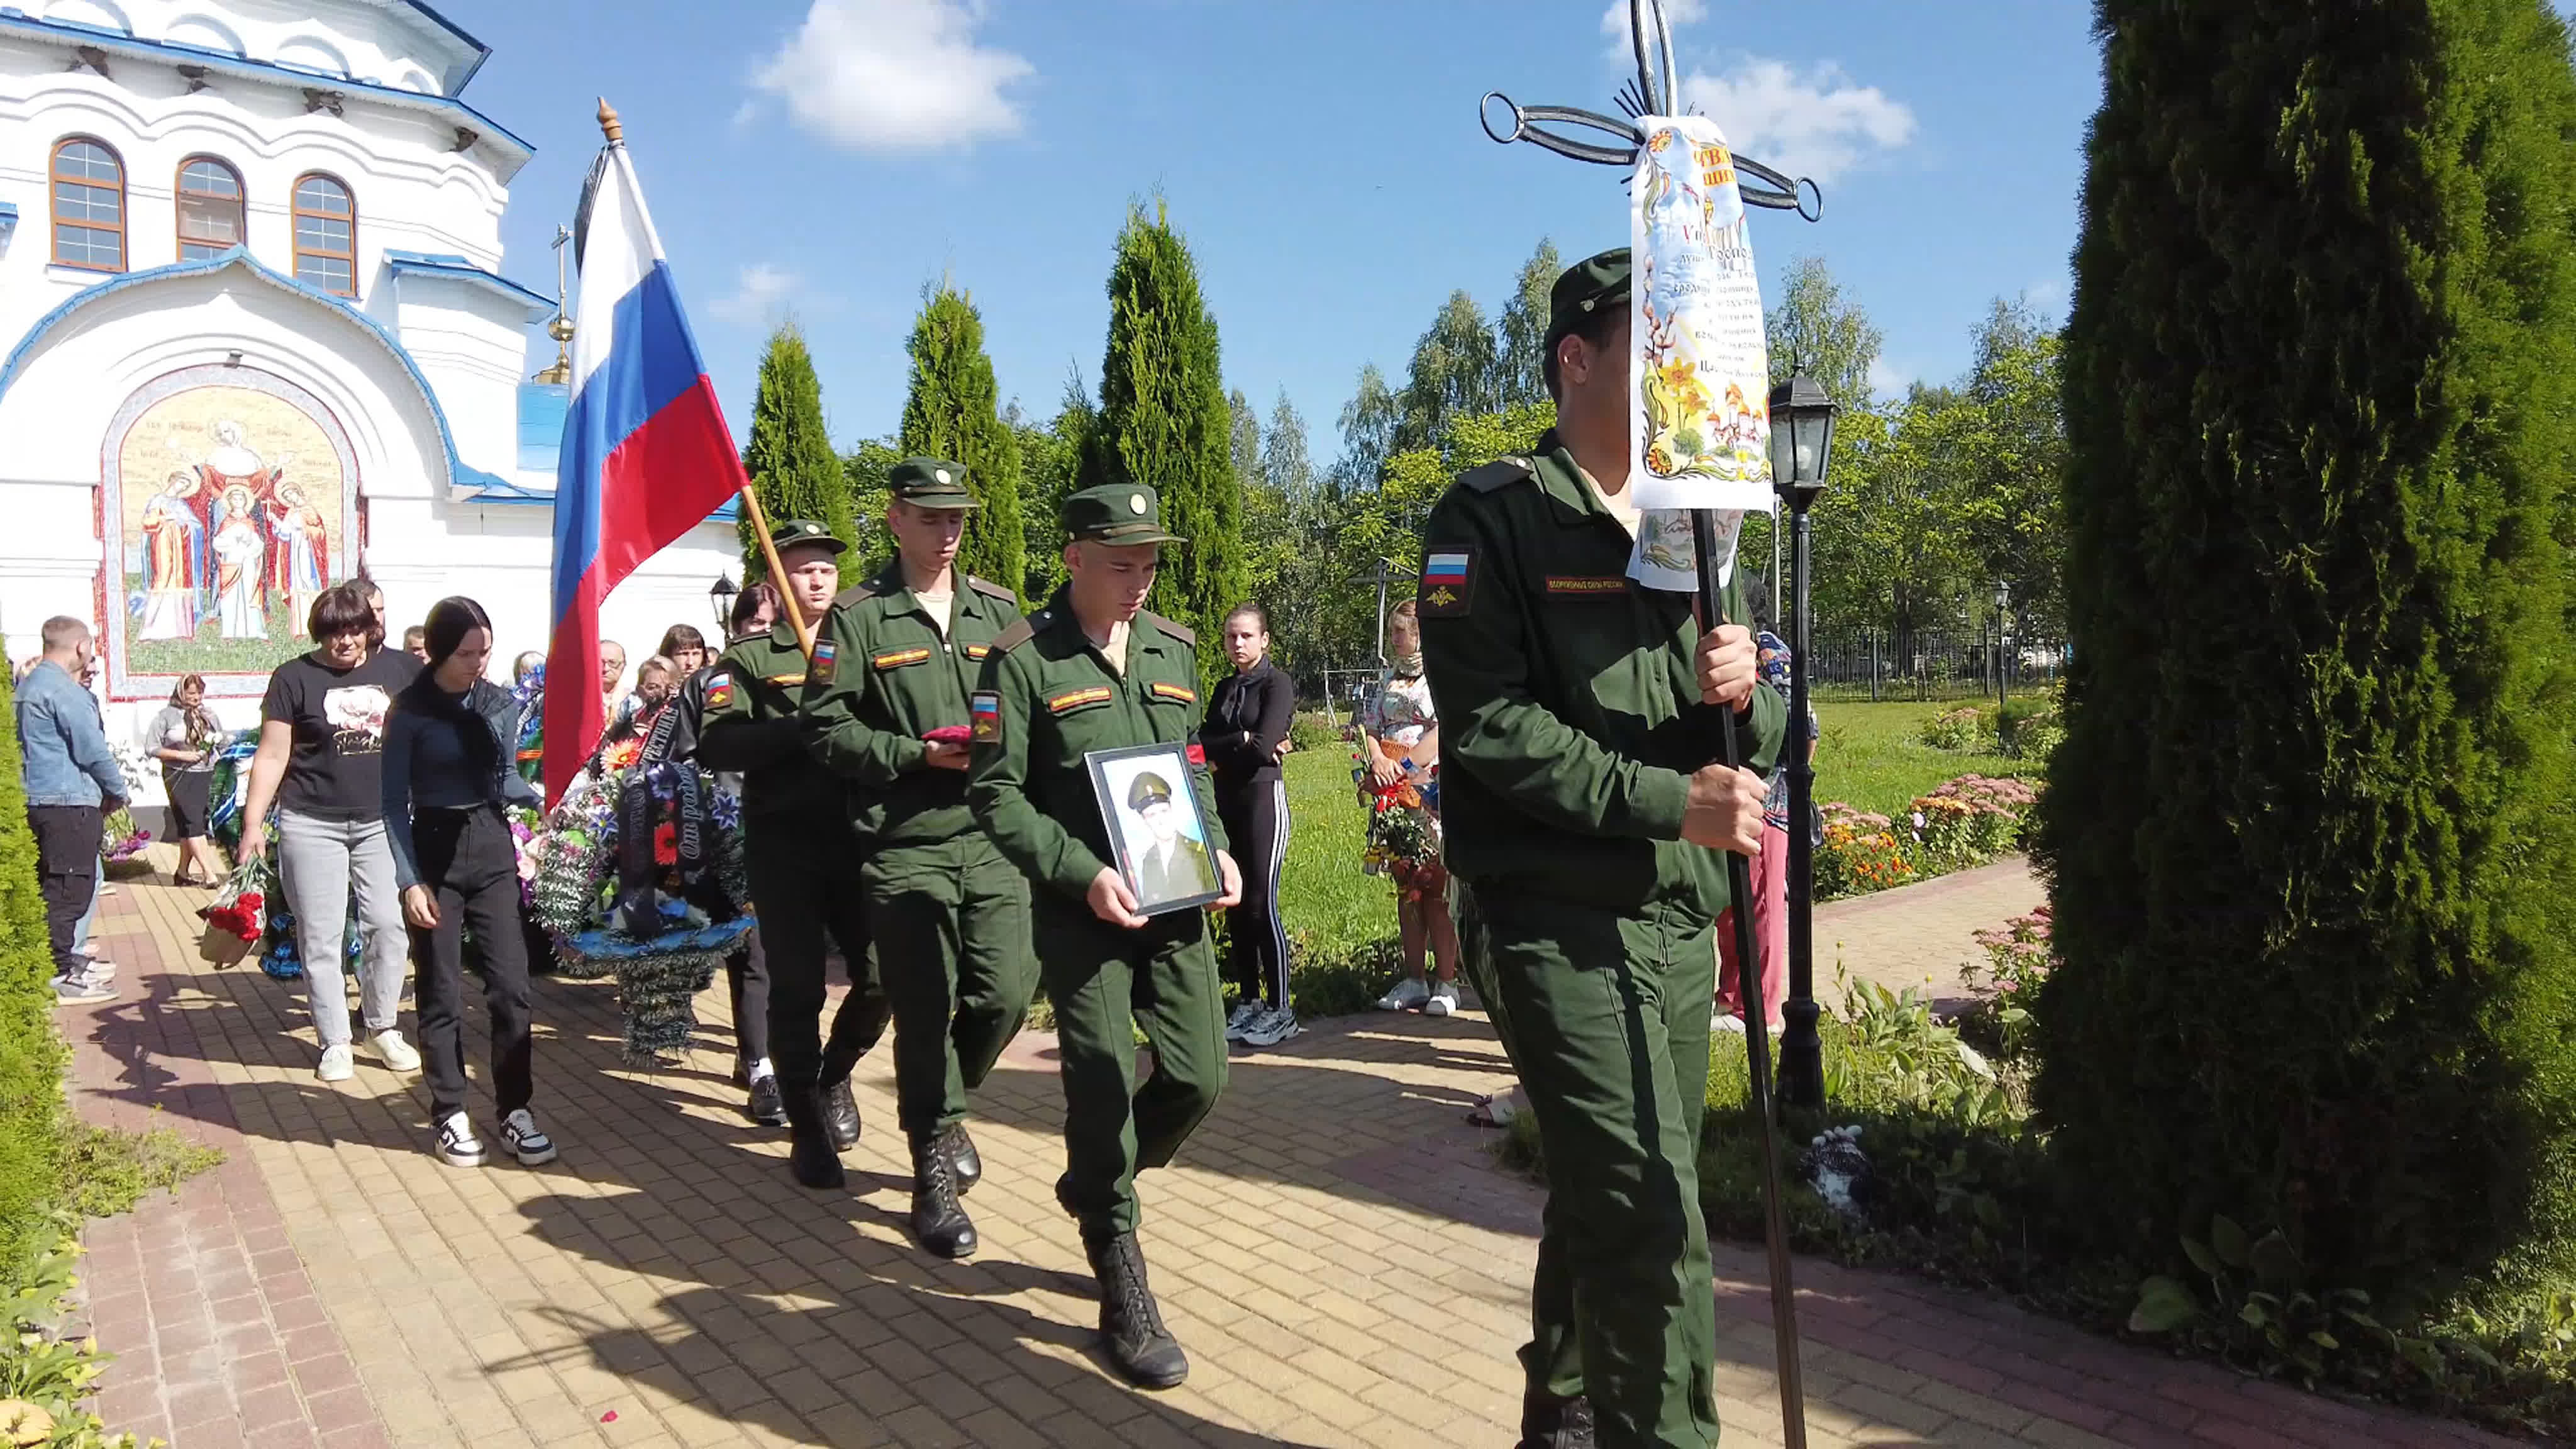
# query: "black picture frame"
1117, 777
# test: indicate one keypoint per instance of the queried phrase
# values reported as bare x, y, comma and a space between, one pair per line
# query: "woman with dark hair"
184, 735
321, 741
447, 774
1246, 725
685, 647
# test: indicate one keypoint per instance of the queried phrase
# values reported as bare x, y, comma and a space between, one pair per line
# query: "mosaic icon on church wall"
229, 508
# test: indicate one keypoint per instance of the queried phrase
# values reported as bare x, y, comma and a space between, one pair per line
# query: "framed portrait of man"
1155, 826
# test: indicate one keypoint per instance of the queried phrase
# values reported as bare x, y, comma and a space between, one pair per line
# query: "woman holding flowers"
184, 736
1399, 778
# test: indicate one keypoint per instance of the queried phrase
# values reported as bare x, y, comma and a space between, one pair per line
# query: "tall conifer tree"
2310, 832
953, 412
790, 457
1164, 422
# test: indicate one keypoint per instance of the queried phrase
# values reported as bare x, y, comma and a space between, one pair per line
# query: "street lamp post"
1802, 441
721, 594
2003, 648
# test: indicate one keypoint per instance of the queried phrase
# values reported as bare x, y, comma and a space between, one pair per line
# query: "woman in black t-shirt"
322, 729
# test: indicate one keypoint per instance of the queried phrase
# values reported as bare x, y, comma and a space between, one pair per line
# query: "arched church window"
326, 235
89, 206
210, 208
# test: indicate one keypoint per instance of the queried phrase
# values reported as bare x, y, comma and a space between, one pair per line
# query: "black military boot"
1131, 1326
938, 1222
841, 1113
810, 1154
1548, 1423
962, 1156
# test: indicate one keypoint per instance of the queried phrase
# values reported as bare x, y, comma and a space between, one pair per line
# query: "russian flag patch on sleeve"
984, 714
1447, 576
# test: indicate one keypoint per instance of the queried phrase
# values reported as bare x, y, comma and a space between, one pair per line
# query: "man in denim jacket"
73, 782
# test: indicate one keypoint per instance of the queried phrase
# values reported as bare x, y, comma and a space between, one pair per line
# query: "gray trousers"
318, 862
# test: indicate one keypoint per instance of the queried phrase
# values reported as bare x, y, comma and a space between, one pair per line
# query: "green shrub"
1338, 978
46, 1380
2029, 728
1309, 730
2309, 835
32, 1115
1965, 728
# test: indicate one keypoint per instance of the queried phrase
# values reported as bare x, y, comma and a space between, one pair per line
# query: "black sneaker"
1131, 1323
810, 1154
841, 1115
767, 1106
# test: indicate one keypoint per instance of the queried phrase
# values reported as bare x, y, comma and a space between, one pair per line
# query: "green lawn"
1868, 756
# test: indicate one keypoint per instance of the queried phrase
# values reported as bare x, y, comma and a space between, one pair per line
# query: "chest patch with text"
898, 658
1447, 576
978, 651
1083, 698
1176, 693
1585, 586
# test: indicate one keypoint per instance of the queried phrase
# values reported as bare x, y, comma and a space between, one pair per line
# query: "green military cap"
1120, 513
1149, 790
1584, 289
804, 530
931, 483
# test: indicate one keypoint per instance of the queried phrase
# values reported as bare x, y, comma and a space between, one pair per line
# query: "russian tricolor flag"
646, 454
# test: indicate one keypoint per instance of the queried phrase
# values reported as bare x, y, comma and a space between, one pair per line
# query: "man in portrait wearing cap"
1091, 671
801, 855
1174, 866
1586, 825
950, 915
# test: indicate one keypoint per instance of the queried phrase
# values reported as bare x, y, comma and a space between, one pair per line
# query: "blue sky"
829, 158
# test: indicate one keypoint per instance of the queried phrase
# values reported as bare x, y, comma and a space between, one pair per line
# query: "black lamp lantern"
1802, 452
1802, 439
721, 594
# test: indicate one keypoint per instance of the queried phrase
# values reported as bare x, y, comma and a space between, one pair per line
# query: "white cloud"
1677, 13
1817, 125
895, 75
760, 294
1888, 379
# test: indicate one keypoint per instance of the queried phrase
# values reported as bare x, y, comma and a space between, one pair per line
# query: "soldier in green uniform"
1579, 715
950, 915
1175, 865
1091, 671
802, 856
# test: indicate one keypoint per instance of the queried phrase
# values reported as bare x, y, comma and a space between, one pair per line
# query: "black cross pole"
1654, 95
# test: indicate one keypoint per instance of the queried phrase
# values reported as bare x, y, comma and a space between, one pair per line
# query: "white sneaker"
337, 1064
457, 1144
1443, 1000
1407, 995
1245, 1013
396, 1054
532, 1147
1724, 1020
1271, 1028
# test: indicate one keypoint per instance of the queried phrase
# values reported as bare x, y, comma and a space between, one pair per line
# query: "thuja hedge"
31, 1055
2311, 828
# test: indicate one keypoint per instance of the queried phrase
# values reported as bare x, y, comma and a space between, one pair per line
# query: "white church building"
255, 338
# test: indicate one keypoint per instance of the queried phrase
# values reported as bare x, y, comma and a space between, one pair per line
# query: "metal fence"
1878, 664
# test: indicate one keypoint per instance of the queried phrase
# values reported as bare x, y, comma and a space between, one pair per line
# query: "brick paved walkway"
1337, 1253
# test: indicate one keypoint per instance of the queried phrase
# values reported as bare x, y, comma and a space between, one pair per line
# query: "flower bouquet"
123, 842
237, 917
1404, 826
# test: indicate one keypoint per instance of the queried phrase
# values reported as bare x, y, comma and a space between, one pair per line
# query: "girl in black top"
447, 772
1245, 733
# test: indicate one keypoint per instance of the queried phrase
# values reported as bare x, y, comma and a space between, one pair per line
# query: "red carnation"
1198, 755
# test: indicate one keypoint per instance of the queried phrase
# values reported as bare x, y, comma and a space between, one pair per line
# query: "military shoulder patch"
720, 690
984, 716
1083, 698
1498, 473
827, 661
898, 658
1448, 576
1181, 632
992, 590
853, 594
1013, 637
1177, 693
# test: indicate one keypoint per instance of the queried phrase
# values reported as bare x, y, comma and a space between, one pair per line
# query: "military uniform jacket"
750, 725
1570, 716
883, 676
1047, 700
